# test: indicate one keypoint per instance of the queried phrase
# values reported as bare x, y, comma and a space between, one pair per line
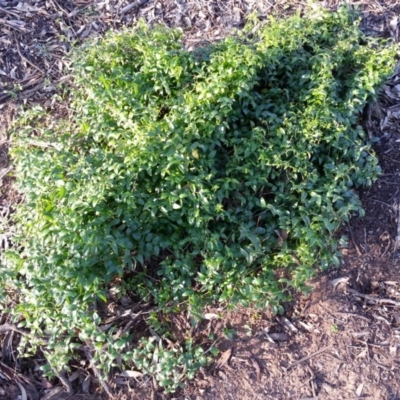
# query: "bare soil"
342, 341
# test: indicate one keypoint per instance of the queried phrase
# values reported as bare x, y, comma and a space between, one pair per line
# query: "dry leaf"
225, 356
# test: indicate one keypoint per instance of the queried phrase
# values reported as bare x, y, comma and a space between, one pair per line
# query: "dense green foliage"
219, 174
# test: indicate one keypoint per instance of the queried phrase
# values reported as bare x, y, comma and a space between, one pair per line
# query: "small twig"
386, 250
5, 97
4, 172
354, 315
329, 313
312, 381
24, 58
97, 373
385, 204
308, 357
355, 245
9, 12
58, 7
375, 299
391, 159
365, 241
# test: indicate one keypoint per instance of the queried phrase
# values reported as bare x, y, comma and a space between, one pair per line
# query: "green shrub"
217, 175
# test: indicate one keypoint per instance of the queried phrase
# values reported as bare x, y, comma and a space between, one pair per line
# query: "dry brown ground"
340, 342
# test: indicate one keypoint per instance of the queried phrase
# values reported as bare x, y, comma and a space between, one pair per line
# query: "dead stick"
372, 298
308, 357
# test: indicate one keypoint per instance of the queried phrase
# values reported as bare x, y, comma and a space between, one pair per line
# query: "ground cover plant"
217, 175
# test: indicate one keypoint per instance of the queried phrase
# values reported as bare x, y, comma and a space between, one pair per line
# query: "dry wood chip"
74, 376
131, 374
378, 362
307, 327
363, 353
359, 389
264, 333
210, 316
361, 334
52, 393
337, 281
14, 24
25, 7
256, 366
278, 336
133, 5
288, 325
222, 375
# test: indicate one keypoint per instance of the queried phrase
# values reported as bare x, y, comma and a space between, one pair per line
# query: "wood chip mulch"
342, 341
